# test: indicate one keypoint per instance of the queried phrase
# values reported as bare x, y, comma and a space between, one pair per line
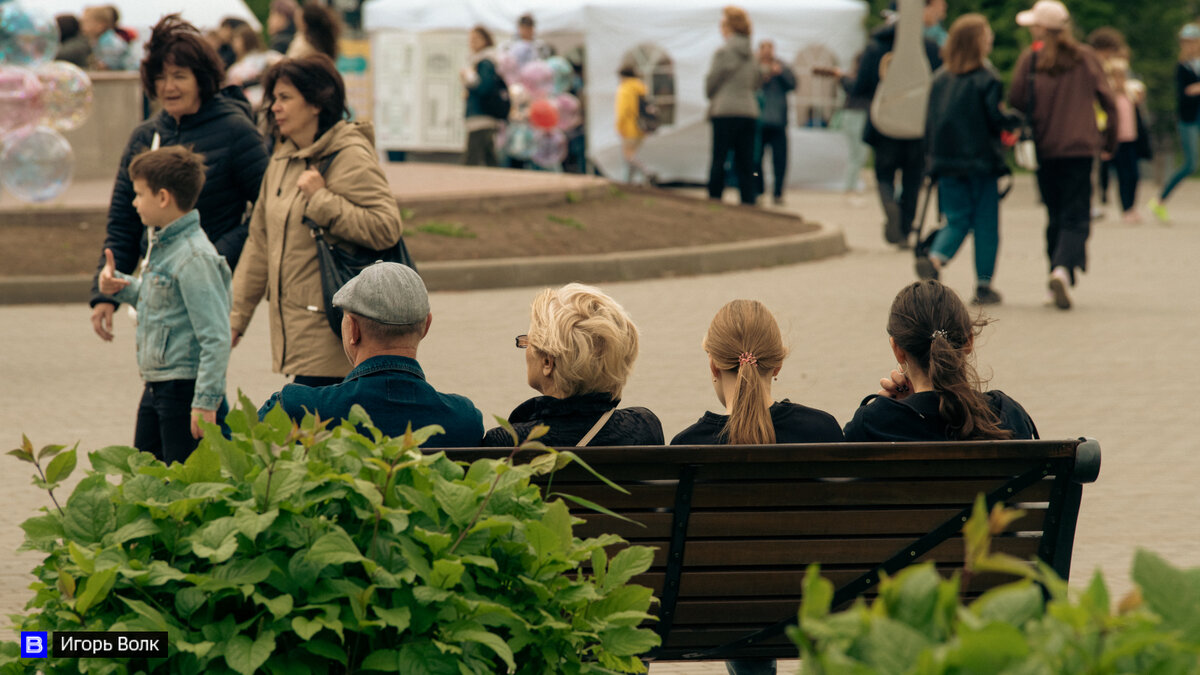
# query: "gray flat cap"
386, 292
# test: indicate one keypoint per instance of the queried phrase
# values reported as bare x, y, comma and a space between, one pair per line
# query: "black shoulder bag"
341, 263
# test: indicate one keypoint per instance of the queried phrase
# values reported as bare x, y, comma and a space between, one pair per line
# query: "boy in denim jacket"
183, 301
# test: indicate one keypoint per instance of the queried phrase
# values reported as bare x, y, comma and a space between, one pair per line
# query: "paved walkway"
1120, 367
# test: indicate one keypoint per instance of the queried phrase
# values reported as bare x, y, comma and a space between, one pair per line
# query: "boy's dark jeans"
164, 420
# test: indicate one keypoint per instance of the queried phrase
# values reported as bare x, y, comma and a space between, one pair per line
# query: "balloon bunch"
39, 98
543, 108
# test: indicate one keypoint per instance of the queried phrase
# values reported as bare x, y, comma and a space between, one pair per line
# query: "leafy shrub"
302, 549
917, 626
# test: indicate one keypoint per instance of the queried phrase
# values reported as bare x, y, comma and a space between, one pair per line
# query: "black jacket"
794, 423
916, 418
1189, 106
234, 157
867, 80
963, 125
571, 418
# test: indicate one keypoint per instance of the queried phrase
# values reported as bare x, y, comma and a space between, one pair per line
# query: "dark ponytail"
931, 324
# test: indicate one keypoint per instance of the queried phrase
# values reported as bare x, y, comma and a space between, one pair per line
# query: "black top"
916, 418
235, 159
1189, 106
867, 79
794, 423
571, 418
963, 125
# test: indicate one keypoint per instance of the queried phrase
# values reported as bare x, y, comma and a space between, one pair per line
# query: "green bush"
916, 625
303, 549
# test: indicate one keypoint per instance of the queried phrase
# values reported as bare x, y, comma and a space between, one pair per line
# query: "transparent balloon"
519, 143
28, 34
537, 78
66, 95
549, 149
519, 97
564, 74
522, 52
507, 65
570, 111
543, 114
20, 98
36, 164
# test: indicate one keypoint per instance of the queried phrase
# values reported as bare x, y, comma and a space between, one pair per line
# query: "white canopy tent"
685, 32
143, 14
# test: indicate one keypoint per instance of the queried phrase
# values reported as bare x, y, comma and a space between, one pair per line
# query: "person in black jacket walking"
962, 133
892, 155
183, 71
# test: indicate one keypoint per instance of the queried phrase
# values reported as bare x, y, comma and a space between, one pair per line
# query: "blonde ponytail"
744, 337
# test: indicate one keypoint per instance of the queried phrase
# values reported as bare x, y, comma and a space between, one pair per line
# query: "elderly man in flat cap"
385, 317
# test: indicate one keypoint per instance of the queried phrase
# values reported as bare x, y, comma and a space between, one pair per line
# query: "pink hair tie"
747, 357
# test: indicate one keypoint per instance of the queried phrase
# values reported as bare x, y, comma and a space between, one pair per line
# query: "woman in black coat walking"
184, 73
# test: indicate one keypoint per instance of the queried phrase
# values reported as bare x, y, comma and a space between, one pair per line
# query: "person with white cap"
1057, 83
385, 316
1187, 84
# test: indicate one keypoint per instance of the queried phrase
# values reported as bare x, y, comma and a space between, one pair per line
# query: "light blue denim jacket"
183, 301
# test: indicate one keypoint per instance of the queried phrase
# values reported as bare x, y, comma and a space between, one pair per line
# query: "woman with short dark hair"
483, 87
183, 72
317, 31
324, 170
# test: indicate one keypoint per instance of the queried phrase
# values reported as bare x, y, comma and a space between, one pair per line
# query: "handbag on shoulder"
340, 263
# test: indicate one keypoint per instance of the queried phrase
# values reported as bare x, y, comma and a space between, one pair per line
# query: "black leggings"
1066, 187
737, 134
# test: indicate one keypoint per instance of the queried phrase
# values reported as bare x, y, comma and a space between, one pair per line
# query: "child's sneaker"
1158, 209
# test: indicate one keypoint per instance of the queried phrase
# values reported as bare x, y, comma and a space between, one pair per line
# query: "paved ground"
1121, 367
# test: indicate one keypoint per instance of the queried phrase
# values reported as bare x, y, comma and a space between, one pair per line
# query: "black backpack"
647, 119
497, 104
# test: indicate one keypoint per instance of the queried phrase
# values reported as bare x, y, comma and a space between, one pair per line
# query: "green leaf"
893, 647
588, 504
246, 656
216, 540
279, 606
458, 501
992, 649
49, 451
1014, 604
152, 615
543, 540
241, 571
383, 660
396, 617
489, 640
912, 597
202, 466
627, 564
45, 529
142, 527
326, 649
334, 548
1170, 592
89, 514
627, 641
60, 467
112, 460
95, 589
446, 573
818, 595
188, 600
252, 524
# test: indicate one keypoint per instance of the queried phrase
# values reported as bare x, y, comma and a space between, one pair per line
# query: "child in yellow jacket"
629, 95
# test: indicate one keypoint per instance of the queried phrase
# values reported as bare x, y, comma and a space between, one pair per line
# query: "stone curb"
464, 275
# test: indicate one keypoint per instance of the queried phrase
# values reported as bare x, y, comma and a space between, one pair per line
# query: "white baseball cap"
1050, 14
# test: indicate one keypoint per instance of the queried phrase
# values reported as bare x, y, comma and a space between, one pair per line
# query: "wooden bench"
735, 526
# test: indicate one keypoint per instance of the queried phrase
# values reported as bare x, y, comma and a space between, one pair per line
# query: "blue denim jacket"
183, 301
393, 391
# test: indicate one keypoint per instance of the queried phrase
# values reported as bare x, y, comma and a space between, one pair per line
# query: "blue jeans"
1189, 137
971, 204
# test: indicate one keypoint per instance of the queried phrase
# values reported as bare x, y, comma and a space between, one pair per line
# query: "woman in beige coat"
305, 101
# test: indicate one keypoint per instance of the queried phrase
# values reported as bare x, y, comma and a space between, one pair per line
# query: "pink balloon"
569, 111
549, 148
538, 78
20, 98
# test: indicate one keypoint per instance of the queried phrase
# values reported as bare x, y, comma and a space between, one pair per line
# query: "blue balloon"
564, 73
520, 141
36, 164
28, 35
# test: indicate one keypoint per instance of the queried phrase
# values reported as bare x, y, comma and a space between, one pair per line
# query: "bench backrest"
736, 526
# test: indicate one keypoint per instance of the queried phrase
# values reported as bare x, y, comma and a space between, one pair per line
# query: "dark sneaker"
925, 268
984, 295
891, 227
1058, 289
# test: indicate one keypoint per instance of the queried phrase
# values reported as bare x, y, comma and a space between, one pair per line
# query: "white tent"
143, 14
406, 33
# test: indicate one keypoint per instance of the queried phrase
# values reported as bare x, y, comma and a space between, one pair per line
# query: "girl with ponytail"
935, 395
745, 352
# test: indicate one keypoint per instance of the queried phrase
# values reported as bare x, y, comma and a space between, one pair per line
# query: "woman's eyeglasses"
522, 341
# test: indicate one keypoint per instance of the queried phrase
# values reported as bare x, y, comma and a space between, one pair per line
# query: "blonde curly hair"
593, 340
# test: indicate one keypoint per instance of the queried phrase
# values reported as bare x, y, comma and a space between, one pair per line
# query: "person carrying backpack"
487, 99
630, 106
893, 155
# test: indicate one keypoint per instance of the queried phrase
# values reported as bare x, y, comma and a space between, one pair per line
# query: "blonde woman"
579, 351
745, 352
